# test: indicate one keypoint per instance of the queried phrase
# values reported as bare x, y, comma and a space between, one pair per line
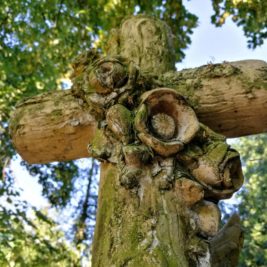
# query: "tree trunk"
145, 227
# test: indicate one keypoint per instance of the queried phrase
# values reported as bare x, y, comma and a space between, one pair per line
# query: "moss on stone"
56, 113
15, 121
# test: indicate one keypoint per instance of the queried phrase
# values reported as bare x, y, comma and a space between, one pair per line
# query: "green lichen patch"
218, 70
120, 122
261, 81
185, 83
15, 121
56, 113
100, 146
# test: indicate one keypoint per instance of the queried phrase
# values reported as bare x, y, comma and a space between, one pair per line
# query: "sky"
212, 44
30, 191
209, 45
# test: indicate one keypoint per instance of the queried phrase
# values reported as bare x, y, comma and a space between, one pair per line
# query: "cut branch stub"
215, 165
164, 121
105, 82
107, 75
223, 173
208, 218
119, 120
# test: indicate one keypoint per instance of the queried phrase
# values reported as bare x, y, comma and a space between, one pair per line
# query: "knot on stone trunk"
164, 121
107, 75
213, 164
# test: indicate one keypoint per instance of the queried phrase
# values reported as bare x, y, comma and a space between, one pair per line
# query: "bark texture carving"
163, 170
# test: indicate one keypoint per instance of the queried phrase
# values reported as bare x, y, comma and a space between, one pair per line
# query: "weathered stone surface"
163, 172
208, 218
234, 106
188, 191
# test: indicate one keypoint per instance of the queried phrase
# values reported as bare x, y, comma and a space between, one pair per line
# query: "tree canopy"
38, 42
253, 204
250, 15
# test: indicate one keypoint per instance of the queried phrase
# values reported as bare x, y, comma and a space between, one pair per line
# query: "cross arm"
52, 127
230, 98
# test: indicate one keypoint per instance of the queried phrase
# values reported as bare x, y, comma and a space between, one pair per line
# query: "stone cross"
164, 168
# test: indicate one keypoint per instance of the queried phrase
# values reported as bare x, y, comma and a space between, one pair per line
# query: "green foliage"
33, 242
250, 15
28, 237
57, 180
253, 200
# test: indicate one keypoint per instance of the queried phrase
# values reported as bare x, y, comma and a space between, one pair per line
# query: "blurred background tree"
253, 200
38, 41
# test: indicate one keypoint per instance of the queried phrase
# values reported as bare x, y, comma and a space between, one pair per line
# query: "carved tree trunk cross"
163, 171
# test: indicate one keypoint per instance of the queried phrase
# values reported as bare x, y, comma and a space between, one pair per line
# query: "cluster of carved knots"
155, 132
